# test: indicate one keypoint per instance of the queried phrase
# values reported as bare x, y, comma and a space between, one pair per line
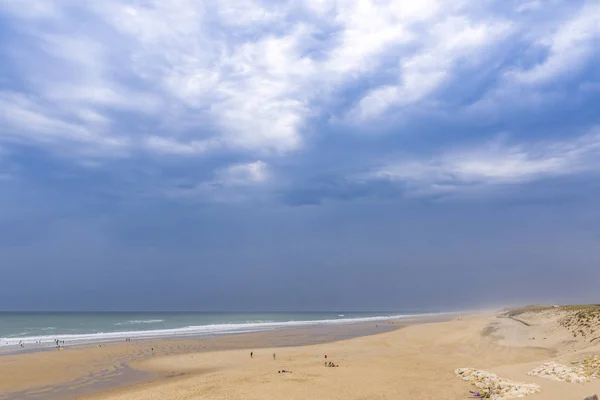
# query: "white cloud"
30, 9
366, 29
448, 42
222, 65
248, 13
253, 173
79, 72
526, 6
232, 184
248, 75
26, 119
569, 46
252, 90
173, 147
496, 163
264, 102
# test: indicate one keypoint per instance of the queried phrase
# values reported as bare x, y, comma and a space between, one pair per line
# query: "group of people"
57, 343
283, 371
329, 364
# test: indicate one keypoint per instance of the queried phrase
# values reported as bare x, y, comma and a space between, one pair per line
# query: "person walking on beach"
274, 356
251, 354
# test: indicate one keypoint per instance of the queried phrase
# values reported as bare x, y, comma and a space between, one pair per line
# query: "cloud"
461, 171
495, 163
252, 173
527, 6
29, 120
247, 90
569, 46
173, 147
34, 9
248, 74
228, 82
420, 74
234, 183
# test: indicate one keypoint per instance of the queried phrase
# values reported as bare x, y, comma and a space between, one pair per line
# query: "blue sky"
309, 154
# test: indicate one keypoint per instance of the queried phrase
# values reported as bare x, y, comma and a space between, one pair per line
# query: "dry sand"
416, 362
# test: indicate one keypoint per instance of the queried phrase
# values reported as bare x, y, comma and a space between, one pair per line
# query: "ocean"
32, 330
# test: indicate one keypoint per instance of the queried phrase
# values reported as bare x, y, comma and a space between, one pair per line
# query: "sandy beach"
417, 361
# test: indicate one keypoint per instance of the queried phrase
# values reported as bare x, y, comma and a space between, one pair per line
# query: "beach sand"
415, 362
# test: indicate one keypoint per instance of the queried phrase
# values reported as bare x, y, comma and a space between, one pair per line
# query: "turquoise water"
80, 328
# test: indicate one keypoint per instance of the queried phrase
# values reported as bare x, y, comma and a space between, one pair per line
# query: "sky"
252, 155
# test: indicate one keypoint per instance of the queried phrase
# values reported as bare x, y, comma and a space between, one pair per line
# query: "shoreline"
114, 365
12, 345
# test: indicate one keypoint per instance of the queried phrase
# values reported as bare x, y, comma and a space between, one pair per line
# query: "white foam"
202, 330
140, 321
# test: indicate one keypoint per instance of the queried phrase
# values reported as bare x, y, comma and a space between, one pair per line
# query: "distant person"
251, 354
274, 356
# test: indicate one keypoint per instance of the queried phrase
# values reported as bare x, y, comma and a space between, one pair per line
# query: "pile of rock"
501, 389
581, 372
559, 372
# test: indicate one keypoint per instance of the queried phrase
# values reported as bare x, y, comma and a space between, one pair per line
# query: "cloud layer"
249, 84
496, 163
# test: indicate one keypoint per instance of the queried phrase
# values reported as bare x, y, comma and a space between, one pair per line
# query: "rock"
501, 389
594, 397
578, 373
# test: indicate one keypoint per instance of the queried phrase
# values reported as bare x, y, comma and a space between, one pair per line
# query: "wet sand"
82, 370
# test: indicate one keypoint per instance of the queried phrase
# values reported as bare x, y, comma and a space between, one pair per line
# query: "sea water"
31, 330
